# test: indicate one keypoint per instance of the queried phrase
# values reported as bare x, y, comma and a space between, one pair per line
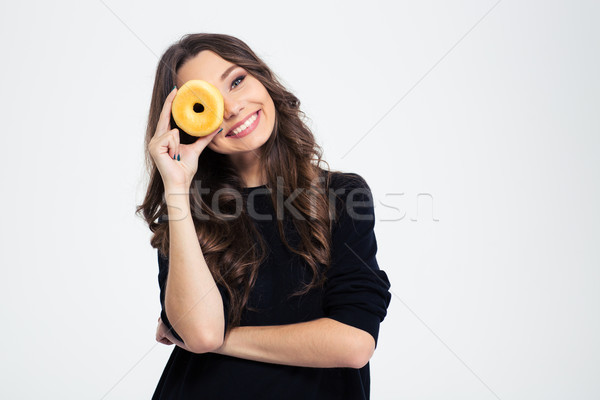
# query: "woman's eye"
239, 80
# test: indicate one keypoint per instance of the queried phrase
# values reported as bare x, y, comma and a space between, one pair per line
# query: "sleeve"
356, 291
163, 271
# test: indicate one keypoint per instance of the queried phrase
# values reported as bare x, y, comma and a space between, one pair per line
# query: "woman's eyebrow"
227, 72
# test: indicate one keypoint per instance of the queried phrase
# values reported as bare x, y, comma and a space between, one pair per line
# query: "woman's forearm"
193, 303
321, 343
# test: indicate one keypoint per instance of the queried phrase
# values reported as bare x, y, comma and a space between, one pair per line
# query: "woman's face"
245, 99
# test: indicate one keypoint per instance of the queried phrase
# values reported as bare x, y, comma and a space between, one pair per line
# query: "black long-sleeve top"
356, 293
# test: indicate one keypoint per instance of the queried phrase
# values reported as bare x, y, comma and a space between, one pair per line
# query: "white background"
490, 109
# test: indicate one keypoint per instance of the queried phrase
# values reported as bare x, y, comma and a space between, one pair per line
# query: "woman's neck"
248, 168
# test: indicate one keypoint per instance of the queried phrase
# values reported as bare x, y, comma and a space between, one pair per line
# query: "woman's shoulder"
350, 193
354, 204
345, 182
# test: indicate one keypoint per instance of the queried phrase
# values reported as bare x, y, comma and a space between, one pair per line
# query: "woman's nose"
232, 108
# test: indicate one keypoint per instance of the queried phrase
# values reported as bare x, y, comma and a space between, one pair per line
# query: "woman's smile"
245, 127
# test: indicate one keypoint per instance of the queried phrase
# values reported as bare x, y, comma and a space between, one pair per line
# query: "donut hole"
198, 108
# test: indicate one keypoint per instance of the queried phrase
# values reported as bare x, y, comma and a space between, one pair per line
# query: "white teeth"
245, 125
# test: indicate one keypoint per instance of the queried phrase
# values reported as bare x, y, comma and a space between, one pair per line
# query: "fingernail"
174, 87
220, 130
174, 156
178, 157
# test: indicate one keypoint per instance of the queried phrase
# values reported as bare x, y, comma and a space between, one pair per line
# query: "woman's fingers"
168, 143
176, 140
164, 120
161, 333
165, 341
203, 141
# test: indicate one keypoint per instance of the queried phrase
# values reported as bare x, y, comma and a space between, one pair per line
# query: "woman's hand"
165, 145
161, 333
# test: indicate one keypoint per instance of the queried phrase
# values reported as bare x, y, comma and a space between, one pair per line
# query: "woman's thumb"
202, 142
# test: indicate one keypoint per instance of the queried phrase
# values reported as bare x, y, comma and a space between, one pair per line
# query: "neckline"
246, 189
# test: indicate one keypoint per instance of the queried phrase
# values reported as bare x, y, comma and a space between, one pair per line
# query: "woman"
289, 245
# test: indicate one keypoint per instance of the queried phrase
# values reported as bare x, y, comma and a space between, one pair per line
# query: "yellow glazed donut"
198, 108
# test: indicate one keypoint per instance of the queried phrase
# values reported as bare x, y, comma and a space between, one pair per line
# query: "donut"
198, 108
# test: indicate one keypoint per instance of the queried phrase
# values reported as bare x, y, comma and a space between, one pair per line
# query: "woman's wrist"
177, 189
177, 199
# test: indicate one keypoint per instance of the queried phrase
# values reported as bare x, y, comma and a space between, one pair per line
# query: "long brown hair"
291, 158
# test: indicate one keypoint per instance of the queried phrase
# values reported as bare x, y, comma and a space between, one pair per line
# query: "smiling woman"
249, 210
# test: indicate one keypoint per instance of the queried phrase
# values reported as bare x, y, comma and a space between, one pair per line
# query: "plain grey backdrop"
475, 123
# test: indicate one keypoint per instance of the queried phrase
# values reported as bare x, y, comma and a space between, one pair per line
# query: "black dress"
356, 293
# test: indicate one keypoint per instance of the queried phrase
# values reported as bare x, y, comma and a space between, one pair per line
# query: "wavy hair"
291, 159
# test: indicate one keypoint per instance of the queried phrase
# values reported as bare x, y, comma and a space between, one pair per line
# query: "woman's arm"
321, 343
193, 303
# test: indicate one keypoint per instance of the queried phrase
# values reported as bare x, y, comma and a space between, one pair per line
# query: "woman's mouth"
246, 128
